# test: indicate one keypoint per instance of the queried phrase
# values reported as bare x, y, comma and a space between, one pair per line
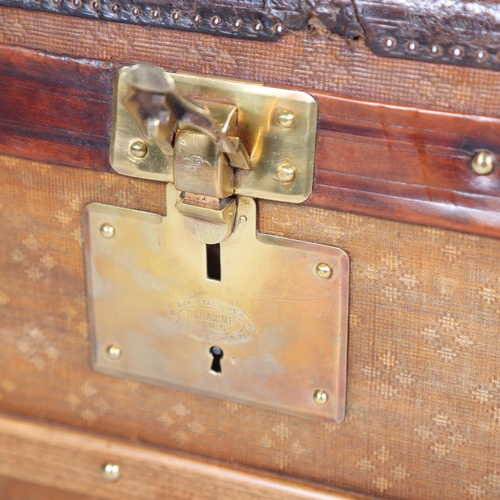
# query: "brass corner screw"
107, 230
138, 149
286, 173
113, 352
324, 271
285, 118
320, 397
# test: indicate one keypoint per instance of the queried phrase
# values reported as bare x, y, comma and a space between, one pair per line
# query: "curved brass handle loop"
158, 108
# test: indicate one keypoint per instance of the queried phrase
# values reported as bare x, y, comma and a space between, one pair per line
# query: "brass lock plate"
257, 319
277, 127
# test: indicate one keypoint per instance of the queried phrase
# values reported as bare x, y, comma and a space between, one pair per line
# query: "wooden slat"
71, 460
395, 162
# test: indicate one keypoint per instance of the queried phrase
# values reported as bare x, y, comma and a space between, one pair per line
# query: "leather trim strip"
254, 19
457, 32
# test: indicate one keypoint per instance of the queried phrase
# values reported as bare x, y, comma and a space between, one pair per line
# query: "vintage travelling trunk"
249, 249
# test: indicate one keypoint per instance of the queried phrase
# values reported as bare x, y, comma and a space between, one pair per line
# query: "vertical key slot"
213, 262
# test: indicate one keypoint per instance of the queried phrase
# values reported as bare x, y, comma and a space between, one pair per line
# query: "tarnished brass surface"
282, 328
274, 126
207, 222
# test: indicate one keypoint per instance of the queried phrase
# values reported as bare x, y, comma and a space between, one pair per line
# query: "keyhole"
217, 353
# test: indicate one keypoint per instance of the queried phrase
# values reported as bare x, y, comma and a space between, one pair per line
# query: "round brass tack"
107, 230
113, 352
324, 271
138, 149
320, 397
483, 162
285, 118
111, 472
286, 173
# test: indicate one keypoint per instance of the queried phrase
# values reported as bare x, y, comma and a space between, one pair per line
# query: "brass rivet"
113, 352
138, 149
107, 230
483, 163
320, 397
324, 271
286, 173
243, 218
285, 118
111, 472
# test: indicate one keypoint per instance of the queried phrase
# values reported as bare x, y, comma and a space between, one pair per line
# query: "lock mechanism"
213, 139
198, 300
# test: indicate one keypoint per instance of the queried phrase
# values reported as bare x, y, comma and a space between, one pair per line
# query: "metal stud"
285, 118
243, 218
483, 162
138, 149
237, 24
320, 397
111, 472
258, 26
113, 352
107, 230
286, 173
324, 271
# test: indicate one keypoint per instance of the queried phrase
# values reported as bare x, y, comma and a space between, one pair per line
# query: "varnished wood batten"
394, 162
72, 461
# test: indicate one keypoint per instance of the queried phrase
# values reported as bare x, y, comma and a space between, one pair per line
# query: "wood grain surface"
397, 162
12, 489
68, 460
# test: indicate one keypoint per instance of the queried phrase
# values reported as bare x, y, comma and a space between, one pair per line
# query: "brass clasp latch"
214, 139
219, 309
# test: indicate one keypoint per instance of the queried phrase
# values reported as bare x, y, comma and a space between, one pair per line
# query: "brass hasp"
214, 139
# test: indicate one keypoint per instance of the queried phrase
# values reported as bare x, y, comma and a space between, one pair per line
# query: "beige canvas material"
423, 403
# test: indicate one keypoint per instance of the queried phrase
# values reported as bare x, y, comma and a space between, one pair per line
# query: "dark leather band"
459, 32
257, 19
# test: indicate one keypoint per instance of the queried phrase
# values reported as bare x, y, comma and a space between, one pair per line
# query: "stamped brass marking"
211, 320
256, 319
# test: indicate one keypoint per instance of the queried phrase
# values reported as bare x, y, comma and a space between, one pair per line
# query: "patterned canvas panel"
423, 404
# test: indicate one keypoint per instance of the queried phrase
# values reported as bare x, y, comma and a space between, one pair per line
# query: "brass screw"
324, 271
111, 472
107, 230
320, 397
286, 173
113, 352
483, 162
285, 118
138, 149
